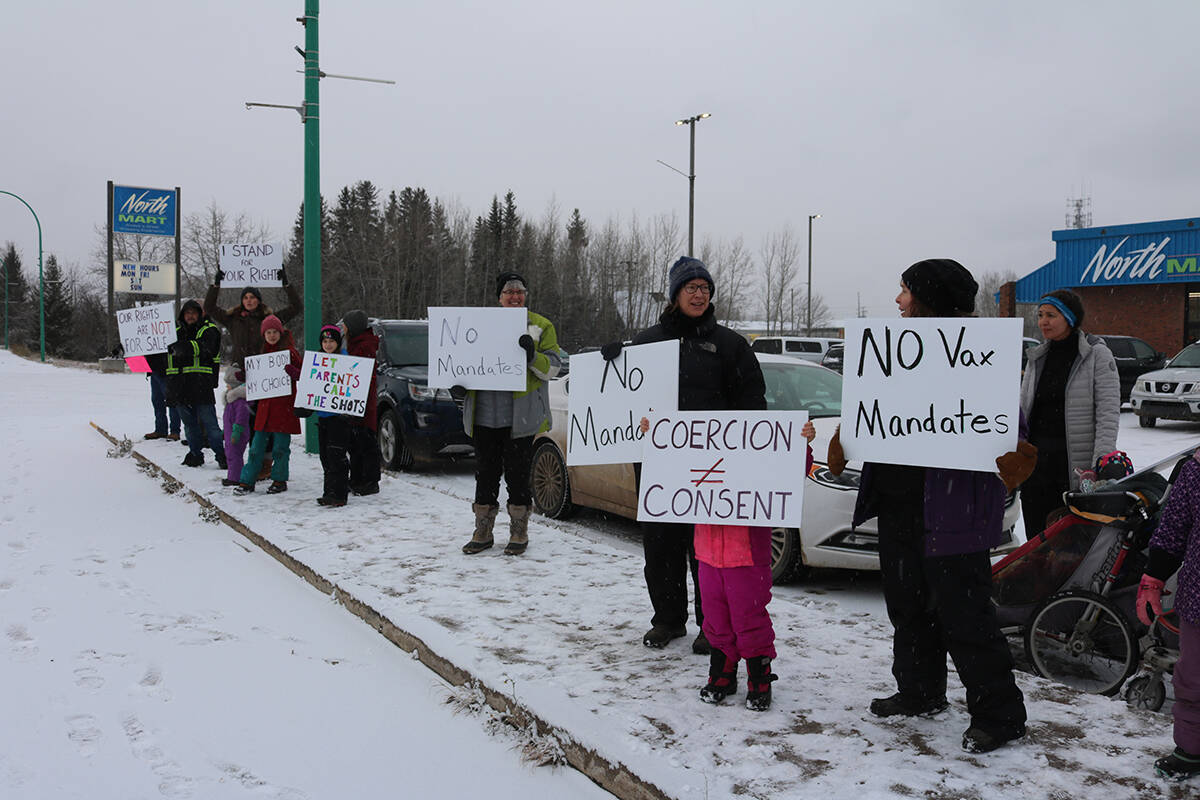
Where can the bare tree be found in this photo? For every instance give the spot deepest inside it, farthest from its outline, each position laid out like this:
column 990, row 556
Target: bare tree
column 780, row 254
column 987, row 306
column 732, row 268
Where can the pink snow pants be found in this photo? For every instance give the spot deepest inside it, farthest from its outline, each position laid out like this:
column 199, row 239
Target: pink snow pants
column 1186, row 680
column 735, row 600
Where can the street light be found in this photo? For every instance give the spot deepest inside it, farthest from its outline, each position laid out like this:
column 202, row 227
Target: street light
column 811, row 217
column 691, row 123
column 41, row 282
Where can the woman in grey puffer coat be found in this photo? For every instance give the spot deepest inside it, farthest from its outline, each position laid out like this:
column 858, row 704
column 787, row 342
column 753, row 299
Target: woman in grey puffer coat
column 1071, row 396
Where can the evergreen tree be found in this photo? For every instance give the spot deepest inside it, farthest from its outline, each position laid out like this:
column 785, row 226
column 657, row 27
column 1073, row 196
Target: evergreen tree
column 20, row 318
column 58, row 309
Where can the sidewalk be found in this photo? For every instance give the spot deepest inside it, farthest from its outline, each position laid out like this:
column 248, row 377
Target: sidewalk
column 556, row 633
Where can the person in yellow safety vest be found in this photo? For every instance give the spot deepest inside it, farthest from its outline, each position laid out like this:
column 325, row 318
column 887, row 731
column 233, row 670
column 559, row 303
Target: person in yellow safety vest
column 193, row 364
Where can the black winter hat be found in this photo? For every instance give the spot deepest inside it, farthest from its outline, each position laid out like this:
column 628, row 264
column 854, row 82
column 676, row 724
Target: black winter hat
column 504, row 278
column 943, row 285
column 250, row 290
column 688, row 269
column 192, row 304
column 332, row 332
column 355, row 321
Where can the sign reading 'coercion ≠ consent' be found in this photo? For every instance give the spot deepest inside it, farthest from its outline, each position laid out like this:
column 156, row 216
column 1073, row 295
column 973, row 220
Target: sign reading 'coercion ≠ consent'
column 931, row 392
column 477, row 348
column 334, row 382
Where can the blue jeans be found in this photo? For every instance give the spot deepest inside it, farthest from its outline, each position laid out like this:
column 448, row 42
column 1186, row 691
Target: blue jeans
column 200, row 425
column 158, row 399
column 280, row 445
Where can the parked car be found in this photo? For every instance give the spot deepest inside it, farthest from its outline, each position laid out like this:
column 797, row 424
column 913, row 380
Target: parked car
column 1170, row 393
column 1027, row 344
column 834, row 357
column 810, row 348
column 1134, row 358
column 415, row 422
column 825, row 540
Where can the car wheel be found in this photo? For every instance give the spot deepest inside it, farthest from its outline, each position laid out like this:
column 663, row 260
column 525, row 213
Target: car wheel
column 1147, row 421
column 787, row 562
column 393, row 452
column 549, row 482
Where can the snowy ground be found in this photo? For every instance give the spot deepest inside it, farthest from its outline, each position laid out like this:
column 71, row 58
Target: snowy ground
column 150, row 654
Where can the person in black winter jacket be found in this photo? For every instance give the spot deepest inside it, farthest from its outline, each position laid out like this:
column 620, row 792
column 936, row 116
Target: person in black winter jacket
column 717, row 372
column 193, row 363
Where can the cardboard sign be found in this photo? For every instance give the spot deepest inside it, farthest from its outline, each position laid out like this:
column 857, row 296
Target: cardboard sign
column 724, row 468
column 931, row 392
column 136, row 277
column 607, row 400
column 476, row 348
column 251, row 264
column 265, row 375
column 334, row 382
column 146, row 329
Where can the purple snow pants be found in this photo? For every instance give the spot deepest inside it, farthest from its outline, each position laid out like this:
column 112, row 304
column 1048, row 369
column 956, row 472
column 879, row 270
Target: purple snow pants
column 1186, row 680
column 735, row 600
column 234, row 453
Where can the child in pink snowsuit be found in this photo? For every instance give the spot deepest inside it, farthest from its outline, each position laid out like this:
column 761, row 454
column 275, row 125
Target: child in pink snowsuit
column 235, row 423
column 735, row 588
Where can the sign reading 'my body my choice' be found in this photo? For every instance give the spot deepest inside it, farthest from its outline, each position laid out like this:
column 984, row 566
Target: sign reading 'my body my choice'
column 146, row 329
column 266, row 376
column 138, row 210
column 724, row 468
column 251, row 263
column 608, row 399
column 334, row 382
column 931, row 392
column 477, row 348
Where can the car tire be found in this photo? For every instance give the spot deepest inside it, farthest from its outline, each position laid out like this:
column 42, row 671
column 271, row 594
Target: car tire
column 1147, row 421
column 787, row 561
column 549, row 482
column 393, row 452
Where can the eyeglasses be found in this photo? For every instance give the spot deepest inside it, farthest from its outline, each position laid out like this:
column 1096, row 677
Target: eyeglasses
column 513, row 292
column 692, row 288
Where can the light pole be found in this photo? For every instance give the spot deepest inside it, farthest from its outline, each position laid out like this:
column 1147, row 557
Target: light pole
column 41, row 282
column 691, row 123
column 811, row 217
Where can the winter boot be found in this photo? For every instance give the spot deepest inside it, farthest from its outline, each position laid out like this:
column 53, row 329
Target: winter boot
column 219, row 455
column 700, row 645
column 485, row 519
column 155, row 435
column 193, row 459
column 363, row 489
column 277, row 487
column 244, row 488
column 722, row 677
column 758, row 687
column 982, row 740
column 658, row 636
column 901, row 704
column 1179, row 766
column 331, row 501
column 518, row 529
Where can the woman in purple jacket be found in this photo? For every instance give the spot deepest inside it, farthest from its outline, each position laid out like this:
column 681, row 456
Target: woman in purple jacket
column 1175, row 545
column 936, row 527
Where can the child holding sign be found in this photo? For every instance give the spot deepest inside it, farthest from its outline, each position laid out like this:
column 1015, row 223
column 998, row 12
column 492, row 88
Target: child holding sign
column 275, row 418
column 236, row 424
column 333, row 438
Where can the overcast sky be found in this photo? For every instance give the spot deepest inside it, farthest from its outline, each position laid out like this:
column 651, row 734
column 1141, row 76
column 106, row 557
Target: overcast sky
column 918, row 130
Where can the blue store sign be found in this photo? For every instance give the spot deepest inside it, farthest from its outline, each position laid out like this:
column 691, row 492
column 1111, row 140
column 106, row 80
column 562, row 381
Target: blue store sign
column 138, row 210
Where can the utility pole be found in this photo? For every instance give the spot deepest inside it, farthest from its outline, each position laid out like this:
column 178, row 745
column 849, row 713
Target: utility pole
column 811, row 217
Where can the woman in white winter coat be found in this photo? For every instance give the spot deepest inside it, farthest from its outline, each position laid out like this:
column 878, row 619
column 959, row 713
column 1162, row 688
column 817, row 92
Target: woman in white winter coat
column 1071, row 396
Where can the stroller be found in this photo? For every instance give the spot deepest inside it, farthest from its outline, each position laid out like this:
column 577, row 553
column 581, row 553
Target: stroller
column 1070, row 591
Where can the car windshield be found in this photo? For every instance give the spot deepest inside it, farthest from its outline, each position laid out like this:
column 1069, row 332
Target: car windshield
column 1188, row 357
column 406, row 345
column 797, row 388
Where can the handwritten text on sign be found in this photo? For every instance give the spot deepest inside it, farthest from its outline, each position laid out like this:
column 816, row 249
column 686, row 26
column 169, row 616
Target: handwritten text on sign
column 608, row 399
column 931, row 392
column 251, row 264
column 334, row 382
column 146, row 329
column 266, row 377
column 476, row 348
column 724, row 467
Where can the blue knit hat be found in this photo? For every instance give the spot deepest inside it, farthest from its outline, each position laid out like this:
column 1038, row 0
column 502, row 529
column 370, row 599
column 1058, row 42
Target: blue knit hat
column 688, row 269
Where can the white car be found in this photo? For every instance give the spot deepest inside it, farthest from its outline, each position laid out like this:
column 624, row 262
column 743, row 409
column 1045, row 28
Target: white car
column 1172, row 392
column 825, row 540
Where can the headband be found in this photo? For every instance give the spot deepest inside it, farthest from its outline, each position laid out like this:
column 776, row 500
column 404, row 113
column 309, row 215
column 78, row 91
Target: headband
column 1066, row 312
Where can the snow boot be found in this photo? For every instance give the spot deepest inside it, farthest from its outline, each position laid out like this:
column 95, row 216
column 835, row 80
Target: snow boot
column 981, row 740
column 1179, row 766
column 700, row 645
column 219, row 455
column 193, row 460
column 758, row 686
column 155, row 435
column 277, row 487
column 722, row 677
column 905, row 705
column 329, row 501
column 244, row 488
column 227, row 482
column 364, row 489
column 658, row 636
column 518, row 529
column 485, row 519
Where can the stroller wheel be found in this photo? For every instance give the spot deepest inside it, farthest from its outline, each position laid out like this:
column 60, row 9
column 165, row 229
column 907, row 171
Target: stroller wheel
column 1081, row 639
column 1146, row 691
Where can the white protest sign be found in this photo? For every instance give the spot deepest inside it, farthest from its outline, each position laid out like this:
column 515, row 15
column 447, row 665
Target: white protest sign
column 724, row 468
column 266, row 377
column 137, row 277
column 476, row 348
column 607, row 400
column 931, row 392
column 334, row 382
column 251, row 263
column 146, row 329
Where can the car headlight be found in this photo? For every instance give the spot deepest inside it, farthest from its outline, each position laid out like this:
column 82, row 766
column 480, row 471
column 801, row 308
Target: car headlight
column 419, row 391
column 848, row 480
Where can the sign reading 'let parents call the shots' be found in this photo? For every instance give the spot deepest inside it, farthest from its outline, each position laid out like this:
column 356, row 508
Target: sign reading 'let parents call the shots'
column 931, row 392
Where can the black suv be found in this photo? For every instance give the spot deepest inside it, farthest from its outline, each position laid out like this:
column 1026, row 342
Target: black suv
column 1133, row 357
column 415, row 422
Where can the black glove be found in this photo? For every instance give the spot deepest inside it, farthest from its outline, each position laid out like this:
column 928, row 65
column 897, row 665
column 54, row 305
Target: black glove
column 178, row 348
column 611, row 350
column 458, row 392
column 302, row 412
column 526, row 342
column 283, row 276
column 220, row 276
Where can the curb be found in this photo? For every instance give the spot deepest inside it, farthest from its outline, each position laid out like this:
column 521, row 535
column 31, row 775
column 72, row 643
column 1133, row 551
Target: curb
column 613, row 777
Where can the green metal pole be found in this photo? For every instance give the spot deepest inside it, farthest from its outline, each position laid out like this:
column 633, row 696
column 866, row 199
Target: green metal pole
column 312, row 196
column 41, row 280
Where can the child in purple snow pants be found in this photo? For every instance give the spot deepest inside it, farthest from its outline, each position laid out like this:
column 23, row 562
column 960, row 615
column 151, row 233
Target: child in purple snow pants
column 236, row 424
column 1175, row 545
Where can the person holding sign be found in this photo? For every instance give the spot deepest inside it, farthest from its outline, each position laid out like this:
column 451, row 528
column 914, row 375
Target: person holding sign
column 717, row 372
column 236, row 420
column 333, row 438
column 1071, row 395
column 275, row 420
column 244, row 321
column 936, row 527
column 502, row 426
column 362, row 342
column 193, row 363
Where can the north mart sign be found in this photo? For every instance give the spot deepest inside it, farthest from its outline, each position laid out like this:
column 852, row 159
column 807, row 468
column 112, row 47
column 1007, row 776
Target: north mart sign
column 139, row 210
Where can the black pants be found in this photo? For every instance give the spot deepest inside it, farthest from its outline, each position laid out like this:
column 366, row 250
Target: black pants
column 333, row 443
column 1039, row 497
column 364, row 455
column 941, row 605
column 496, row 453
column 670, row 555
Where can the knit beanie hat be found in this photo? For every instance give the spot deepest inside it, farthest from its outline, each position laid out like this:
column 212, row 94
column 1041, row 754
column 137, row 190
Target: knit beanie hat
column 234, row 375
column 251, row 290
column 943, row 285
column 271, row 322
column 355, row 322
column 505, row 278
column 332, row 332
column 688, row 269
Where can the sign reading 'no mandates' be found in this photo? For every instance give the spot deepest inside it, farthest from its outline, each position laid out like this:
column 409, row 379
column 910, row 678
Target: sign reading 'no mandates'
column 931, row 392
column 477, row 348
